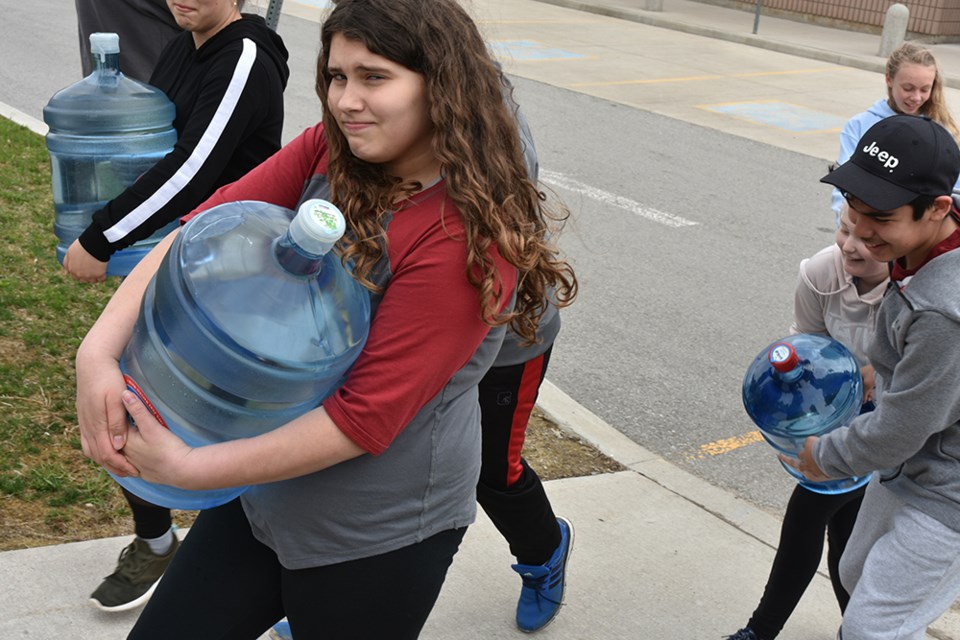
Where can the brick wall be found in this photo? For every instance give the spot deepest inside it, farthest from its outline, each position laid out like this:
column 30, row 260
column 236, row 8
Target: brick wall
column 930, row 20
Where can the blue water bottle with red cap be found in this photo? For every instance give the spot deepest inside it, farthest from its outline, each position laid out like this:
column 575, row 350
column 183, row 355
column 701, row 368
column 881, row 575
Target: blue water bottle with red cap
column 804, row 385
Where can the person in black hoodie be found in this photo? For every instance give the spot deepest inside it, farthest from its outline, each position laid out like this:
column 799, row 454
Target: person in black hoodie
column 226, row 74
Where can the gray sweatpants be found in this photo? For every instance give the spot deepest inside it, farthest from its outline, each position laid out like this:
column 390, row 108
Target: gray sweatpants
column 901, row 567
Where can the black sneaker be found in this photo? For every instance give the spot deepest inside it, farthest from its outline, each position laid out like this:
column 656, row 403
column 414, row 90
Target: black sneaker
column 744, row 634
column 137, row 574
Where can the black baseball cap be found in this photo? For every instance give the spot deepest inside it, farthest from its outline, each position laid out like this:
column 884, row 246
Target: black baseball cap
column 898, row 159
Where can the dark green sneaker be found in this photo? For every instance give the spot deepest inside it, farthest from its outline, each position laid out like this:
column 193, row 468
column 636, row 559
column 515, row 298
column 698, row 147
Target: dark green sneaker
column 137, row 574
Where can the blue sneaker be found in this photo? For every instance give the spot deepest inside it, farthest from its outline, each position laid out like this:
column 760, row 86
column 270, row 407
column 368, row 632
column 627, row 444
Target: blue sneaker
column 281, row 631
column 543, row 585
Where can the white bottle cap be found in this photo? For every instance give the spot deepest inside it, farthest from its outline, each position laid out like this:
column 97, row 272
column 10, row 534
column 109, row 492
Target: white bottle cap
column 317, row 226
column 104, row 43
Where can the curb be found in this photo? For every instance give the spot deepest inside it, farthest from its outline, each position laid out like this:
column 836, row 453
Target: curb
column 21, row 118
column 760, row 525
column 578, row 421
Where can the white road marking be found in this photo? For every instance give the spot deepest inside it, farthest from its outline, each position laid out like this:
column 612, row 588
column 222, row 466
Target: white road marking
column 631, row 206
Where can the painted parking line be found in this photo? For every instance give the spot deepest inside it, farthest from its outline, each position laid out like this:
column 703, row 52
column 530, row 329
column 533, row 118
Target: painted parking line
column 718, row 76
column 608, row 198
column 531, row 50
column 726, row 445
column 781, row 115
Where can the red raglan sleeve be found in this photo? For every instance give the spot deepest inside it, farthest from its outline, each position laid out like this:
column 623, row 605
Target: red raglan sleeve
column 426, row 328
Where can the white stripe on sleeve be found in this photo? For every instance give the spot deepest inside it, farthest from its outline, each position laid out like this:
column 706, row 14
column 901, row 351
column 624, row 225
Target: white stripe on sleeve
column 189, row 169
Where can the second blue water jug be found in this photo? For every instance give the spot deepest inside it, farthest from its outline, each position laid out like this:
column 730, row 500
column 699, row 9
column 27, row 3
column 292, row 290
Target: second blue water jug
column 250, row 322
column 804, row 385
column 105, row 132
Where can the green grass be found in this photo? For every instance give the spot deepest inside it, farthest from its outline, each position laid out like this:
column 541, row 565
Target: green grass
column 48, row 490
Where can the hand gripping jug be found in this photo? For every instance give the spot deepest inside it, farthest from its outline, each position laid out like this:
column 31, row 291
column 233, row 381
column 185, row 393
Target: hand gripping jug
column 250, row 322
column 804, row 385
column 105, row 132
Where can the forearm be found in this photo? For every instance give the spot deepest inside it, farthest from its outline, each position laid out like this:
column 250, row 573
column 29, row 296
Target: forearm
column 111, row 332
column 918, row 401
column 100, row 412
column 308, row 444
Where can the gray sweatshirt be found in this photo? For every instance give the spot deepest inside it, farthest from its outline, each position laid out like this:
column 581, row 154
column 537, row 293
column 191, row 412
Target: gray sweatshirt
column 913, row 436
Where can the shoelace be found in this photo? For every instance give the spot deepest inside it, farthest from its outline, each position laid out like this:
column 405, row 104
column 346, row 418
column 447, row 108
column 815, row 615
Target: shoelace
column 130, row 565
column 538, row 585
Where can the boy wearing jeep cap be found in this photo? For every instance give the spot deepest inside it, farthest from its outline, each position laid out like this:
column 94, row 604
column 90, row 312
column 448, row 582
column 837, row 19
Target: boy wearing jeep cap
column 902, row 564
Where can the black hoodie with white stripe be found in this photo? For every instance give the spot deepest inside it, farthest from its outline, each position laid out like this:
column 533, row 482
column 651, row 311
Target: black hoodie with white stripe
column 229, row 100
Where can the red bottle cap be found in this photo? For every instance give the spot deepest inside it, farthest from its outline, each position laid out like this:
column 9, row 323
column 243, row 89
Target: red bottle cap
column 783, row 357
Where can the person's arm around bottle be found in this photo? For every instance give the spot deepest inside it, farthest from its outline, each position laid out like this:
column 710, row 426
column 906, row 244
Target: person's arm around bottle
column 307, row 444
column 304, row 445
column 100, row 410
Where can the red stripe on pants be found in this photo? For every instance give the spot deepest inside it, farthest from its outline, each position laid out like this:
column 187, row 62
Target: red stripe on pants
column 526, row 399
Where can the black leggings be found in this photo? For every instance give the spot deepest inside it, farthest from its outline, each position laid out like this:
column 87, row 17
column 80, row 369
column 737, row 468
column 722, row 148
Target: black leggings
column 224, row 584
column 799, row 552
column 509, row 491
column 149, row 520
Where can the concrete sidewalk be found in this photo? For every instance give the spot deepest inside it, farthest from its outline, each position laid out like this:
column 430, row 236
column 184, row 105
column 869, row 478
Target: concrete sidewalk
column 659, row 553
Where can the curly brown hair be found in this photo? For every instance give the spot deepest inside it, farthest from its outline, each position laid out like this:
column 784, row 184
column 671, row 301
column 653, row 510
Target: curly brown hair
column 477, row 141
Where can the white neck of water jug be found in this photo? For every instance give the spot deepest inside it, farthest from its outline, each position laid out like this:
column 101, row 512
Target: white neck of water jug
column 317, row 226
column 105, row 52
column 313, row 232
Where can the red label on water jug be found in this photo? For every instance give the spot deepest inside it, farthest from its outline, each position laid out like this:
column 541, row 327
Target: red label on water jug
column 133, row 386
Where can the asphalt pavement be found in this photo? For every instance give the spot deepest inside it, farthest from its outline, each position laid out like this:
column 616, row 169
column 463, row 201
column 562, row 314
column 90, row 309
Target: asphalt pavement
column 659, row 553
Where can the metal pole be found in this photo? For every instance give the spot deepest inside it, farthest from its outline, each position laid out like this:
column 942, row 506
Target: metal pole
column 273, row 13
column 756, row 16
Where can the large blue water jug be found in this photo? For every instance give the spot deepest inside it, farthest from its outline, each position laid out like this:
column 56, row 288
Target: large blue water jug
column 250, row 322
column 105, row 132
column 804, row 385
